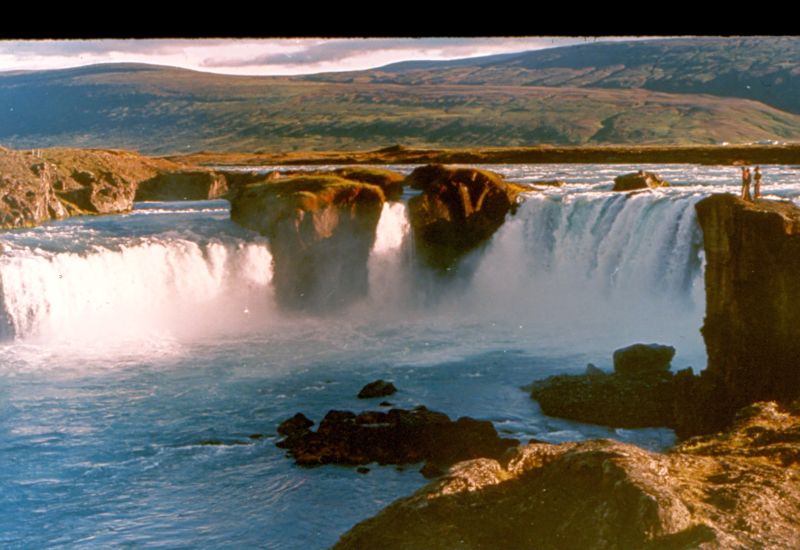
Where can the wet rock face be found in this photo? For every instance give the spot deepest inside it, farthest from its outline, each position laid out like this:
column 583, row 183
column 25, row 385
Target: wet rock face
column 638, row 180
column 602, row 495
column 458, row 210
column 395, row 437
column 752, row 323
column 321, row 231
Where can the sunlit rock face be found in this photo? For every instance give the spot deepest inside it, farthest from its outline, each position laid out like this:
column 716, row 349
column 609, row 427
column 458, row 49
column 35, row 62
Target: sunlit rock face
column 321, row 230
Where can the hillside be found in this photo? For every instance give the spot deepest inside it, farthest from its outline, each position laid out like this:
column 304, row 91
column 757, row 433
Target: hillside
column 766, row 69
column 567, row 96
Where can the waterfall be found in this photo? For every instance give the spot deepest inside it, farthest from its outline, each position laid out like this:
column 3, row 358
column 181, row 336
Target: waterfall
column 390, row 280
column 599, row 270
column 144, row 287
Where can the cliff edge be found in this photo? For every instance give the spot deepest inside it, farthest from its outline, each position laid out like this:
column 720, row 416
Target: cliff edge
column 752, row 280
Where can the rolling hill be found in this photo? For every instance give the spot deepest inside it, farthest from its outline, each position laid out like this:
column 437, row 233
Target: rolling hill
column 684, row 91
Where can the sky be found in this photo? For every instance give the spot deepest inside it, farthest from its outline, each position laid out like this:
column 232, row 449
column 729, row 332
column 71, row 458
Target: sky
column 263, row 56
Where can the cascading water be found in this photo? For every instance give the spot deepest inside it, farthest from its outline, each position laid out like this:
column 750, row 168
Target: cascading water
column 598, row 270
column 124, row 289
column 144, row 448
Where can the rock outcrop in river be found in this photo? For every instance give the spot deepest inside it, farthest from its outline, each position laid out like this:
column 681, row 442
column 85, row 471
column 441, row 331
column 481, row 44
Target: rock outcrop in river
column 321, row 231
column 458, row 210
column 183, row 185
column 639, row 393
column 739, row 489
column 395, row 437
column 638, row 180
column 101, row 181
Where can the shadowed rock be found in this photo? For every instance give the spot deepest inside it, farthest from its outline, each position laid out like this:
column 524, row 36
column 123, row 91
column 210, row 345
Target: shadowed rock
column 638, row 180
column 378, row 388
column 606, row 495
column 752, row 322
column 643, row 359
column 321, row 231
column 185, row 185
column 640, row 393
column 395, row 437
column 458, row 210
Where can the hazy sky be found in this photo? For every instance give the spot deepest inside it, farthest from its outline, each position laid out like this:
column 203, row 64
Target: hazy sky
column 261, row 57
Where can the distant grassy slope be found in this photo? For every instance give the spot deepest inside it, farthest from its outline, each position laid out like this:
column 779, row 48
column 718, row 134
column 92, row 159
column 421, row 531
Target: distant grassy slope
column 766, row 69
column 161, row 110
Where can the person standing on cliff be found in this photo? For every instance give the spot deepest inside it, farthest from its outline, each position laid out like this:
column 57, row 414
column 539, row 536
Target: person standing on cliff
column 757, row 183
column 746, row 184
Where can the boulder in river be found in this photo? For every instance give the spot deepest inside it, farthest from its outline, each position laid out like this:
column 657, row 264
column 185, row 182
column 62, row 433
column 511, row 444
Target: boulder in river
column 395, row 437
column 458, row 210
column 639, row 393
column 638, row 180
column 378, row 388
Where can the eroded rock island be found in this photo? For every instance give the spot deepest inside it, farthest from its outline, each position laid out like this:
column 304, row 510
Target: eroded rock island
column 321, row 230
column 458, row 210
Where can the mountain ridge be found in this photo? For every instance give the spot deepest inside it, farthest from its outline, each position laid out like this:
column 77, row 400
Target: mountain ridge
column 561, row 96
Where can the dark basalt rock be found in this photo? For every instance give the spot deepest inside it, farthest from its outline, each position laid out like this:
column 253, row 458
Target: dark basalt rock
column 640, row 393
column 395, row 437
column 378, row 388
column 392, row 183
column 731, row 490
column 638, row 180
column 549, row 183
column 643, row 359
column 458, row 210
column 298, row 424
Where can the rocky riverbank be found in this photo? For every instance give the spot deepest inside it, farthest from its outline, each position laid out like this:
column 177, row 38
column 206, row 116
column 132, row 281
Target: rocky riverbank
column 48, row 184
column 738, row 489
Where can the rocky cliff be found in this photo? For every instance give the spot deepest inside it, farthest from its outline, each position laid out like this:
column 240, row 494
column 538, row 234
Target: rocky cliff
column 46, row 184
column 752, row 323
column 735, row 490
column 27, row 196
column 321, row 231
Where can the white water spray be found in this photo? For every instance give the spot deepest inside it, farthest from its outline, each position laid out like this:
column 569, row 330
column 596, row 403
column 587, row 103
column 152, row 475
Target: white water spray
column 150, row 288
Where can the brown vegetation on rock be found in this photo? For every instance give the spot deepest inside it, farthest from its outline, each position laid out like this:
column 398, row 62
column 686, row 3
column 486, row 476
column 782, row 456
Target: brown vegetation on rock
column 458, row 210
column 321, row 231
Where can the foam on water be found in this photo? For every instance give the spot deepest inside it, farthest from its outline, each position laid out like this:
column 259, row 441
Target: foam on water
column 102, row 447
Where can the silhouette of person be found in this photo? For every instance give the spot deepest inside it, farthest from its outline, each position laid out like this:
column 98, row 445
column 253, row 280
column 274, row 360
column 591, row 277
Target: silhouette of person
column 757, row 183
column 746, row 184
